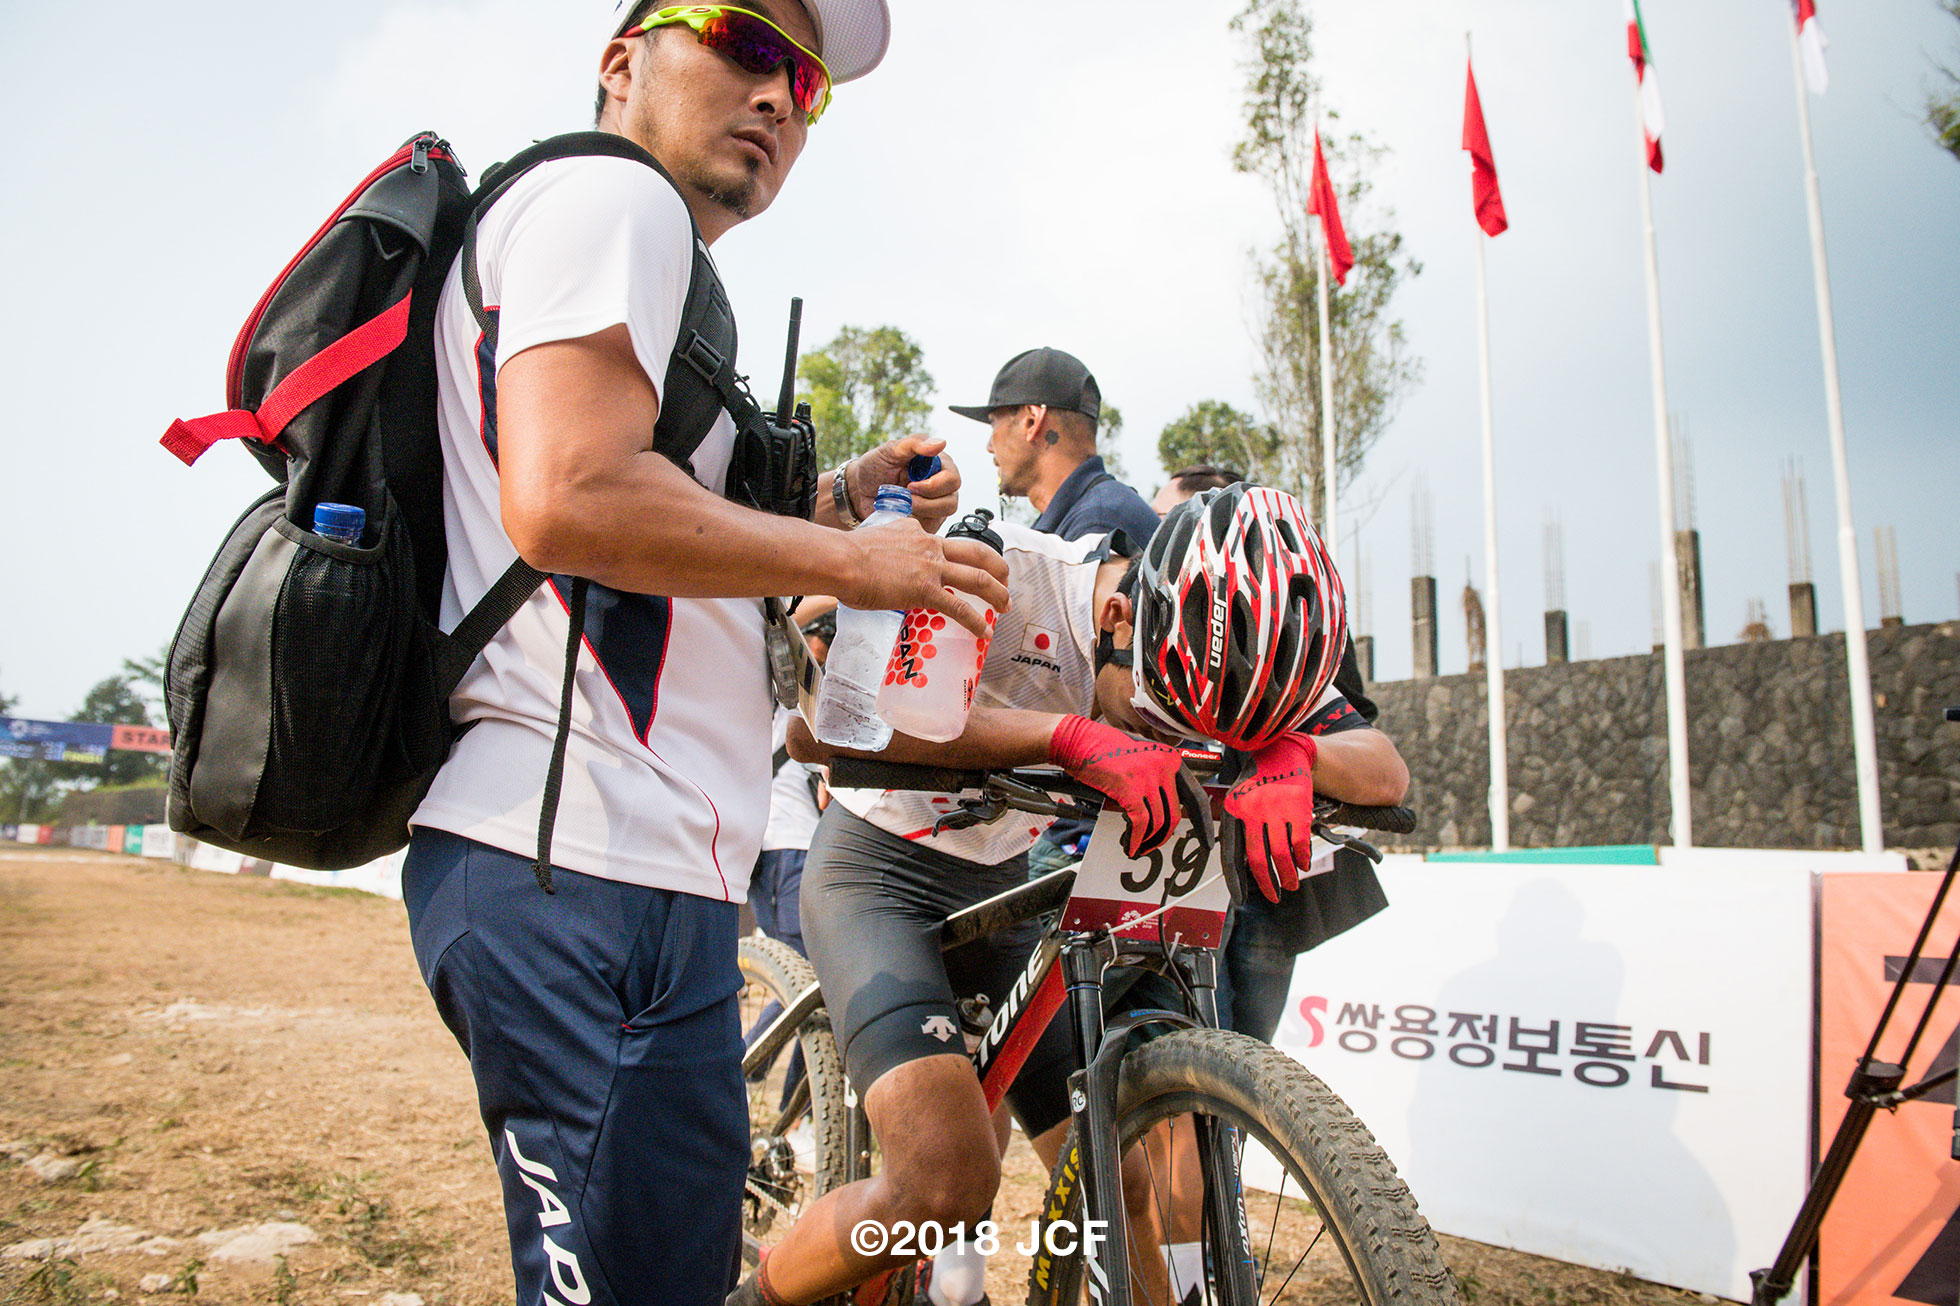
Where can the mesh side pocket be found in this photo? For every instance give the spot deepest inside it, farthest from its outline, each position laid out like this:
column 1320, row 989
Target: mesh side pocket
column 344, row 633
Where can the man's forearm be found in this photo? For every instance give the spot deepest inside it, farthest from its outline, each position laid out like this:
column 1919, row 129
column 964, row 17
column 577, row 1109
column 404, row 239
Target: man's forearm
column 994, row 737
column 691, row 543
column 1361, row 767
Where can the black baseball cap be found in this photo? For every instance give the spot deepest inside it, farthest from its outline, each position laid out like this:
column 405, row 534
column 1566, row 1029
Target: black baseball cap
column 1041, row 376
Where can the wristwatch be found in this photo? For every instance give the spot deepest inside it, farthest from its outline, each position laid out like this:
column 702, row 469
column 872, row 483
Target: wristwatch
column 840, row 495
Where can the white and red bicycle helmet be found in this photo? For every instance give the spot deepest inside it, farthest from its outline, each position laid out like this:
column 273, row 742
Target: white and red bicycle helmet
column 1241, row 620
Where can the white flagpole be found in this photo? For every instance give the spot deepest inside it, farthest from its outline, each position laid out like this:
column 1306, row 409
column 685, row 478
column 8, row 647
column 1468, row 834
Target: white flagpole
column 1500, row 786
column 1864, row 744
column 1681, row 817
column 1329, row 522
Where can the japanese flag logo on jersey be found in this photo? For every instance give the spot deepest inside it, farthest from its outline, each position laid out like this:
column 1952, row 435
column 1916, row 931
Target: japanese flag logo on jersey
column 1040, row 640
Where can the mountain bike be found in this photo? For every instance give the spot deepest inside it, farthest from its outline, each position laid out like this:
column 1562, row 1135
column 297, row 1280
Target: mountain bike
column 1336, row 1223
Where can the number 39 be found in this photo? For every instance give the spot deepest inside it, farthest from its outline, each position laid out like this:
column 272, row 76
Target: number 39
column 1187, row 858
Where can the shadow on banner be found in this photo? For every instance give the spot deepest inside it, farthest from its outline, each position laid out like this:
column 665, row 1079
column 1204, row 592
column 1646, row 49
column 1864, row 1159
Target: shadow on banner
column 1893, row 1234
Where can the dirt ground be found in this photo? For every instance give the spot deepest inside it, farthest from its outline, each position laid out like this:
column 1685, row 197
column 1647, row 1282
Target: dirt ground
column 199, row 1053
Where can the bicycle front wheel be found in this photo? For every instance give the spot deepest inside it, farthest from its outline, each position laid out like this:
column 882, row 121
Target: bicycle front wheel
column 797, row 1103
column 1341, row 1228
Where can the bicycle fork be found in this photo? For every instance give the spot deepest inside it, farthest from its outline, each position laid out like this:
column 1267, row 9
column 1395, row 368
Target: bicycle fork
column 1092, row 1099
column 1104, row 1234
column 1219, row 1154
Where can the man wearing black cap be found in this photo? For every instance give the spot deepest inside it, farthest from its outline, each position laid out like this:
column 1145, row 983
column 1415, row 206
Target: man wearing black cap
column 1043, row 409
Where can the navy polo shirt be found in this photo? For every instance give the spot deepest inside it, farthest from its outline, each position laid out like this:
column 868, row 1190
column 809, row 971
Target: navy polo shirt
column 1092, row 502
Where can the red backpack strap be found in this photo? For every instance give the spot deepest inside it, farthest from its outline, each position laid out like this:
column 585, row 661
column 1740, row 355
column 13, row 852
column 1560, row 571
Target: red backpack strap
column 318, row 376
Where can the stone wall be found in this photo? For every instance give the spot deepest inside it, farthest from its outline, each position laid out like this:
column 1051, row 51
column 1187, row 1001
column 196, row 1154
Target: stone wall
column 1769, row 747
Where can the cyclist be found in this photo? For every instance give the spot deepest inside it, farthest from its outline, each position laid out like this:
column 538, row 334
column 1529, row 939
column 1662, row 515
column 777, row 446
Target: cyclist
column 1229, row 627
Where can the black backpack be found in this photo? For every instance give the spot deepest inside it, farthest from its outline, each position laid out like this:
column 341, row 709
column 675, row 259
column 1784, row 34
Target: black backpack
column 308, row 683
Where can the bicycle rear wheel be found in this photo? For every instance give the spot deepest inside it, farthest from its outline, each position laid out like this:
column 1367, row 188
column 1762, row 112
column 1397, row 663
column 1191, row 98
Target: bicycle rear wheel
column 1341, row 1228
column 797, row 1148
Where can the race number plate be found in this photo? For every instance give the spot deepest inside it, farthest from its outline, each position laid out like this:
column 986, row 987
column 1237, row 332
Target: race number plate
column 1111, row 889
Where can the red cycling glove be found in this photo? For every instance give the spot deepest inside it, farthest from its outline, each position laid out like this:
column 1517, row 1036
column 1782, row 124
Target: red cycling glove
column 1138, row 776
column 1276, row 804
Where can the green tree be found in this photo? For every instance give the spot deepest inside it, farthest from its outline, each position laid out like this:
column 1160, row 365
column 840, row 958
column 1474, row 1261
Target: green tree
column 1943, row 112
column 1212, row 431
column 1109, row 441
column 867, row 386
column 146, row 676
column 1373, row 367
column 27, row 789
column 114, row 701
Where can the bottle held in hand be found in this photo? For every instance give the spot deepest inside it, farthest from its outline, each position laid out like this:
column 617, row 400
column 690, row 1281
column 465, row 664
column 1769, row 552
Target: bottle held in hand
column 936, row 662
column 847, row 715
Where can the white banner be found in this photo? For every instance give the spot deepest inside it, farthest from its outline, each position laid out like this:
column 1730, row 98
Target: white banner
column 159, row 841
column 1603, row 1064
column 210, row 857
column 28, row 834
column 383, row 877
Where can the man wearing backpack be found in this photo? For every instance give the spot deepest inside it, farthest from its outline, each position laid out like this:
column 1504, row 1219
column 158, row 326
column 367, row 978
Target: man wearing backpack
column 600, row 1017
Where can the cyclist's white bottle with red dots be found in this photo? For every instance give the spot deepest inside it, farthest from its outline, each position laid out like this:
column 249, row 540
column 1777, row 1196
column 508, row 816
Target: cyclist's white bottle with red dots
column 936, row 662
column 847, row 714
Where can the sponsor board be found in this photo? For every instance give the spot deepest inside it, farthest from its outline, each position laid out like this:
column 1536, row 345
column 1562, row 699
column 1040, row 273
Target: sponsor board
column 1893, row 1232
column 1604, row 1064
column 54, row 741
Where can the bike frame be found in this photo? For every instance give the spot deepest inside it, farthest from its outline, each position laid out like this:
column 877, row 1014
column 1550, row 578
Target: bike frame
column 1068, row 969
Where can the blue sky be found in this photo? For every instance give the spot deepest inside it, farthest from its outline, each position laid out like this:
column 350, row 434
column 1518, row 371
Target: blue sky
column 1022, row 174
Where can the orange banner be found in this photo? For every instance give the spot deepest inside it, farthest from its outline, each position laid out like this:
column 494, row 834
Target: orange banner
column 1893, row 1234
column 140, row 739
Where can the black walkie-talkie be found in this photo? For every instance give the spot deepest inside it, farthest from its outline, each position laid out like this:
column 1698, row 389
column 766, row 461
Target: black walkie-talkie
column 777, row 452
column 788, row 393
column 798, row 432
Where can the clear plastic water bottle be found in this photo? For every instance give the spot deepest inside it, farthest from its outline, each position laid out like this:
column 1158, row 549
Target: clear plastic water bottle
column 847, row 709
column 936, row 662
column 342, row 523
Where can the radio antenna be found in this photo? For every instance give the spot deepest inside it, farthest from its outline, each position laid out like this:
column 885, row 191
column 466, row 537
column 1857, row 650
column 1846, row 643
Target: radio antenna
column 788, row 395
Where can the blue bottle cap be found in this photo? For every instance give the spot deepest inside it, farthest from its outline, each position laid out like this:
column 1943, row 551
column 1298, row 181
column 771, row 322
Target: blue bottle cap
column 339, row 521
column 923, row 467
column 893, row 498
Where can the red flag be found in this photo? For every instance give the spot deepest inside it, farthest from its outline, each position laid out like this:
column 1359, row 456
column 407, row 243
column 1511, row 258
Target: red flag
column 1810, row 37
column 1483, row 176
column 1652, row 120
column 1321, row 201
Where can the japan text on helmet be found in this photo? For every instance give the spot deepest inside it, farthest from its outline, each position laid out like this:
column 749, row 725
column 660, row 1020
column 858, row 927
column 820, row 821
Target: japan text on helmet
column 1240, row 616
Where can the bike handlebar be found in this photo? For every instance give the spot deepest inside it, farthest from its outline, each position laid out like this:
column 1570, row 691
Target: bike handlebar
column 871, row 773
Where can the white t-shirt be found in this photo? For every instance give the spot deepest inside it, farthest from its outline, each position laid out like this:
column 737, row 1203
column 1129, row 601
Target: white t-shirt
column 667, row 772
column 1041, row 659
column 793, row 814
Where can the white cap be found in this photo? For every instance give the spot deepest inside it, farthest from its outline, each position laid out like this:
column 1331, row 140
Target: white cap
column 851, row 34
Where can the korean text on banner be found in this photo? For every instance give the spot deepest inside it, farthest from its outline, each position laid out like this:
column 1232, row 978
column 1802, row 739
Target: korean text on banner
column 1893, row 1232
column 1581, row 1062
